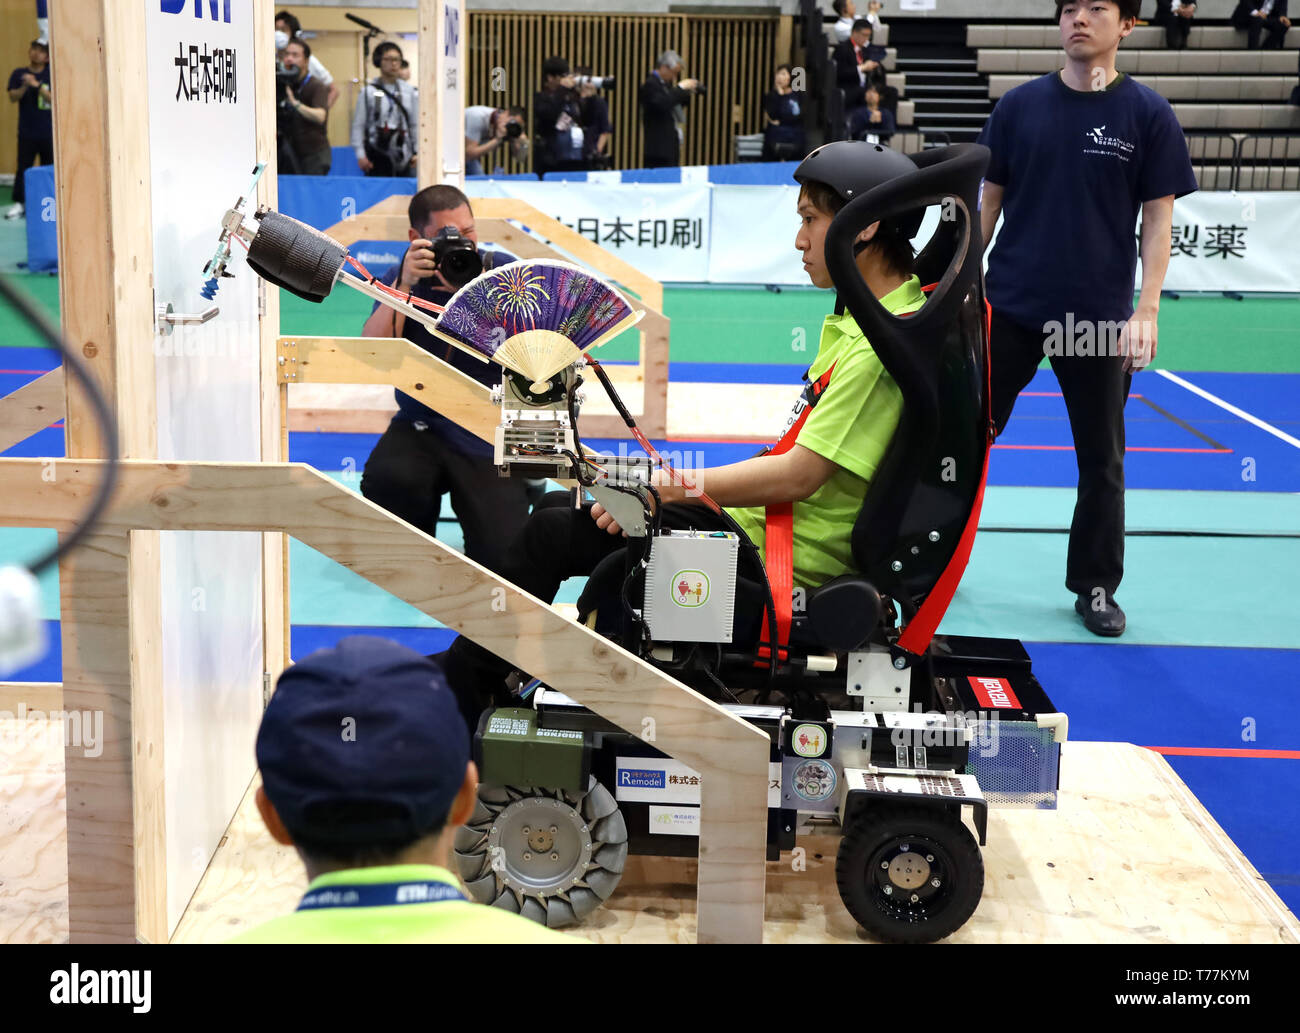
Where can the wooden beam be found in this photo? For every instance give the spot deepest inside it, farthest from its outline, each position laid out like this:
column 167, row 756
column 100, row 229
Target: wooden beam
column 370, row 225
column 31, row 408
column 275, row 547
column 730, row 754
column 396, row 361
column 443, row 46
column 101, row 181
column 101, row 136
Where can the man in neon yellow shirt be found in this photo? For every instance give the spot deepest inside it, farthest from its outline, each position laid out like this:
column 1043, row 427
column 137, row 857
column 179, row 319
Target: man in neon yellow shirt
column 365, row 770
column 824, row 475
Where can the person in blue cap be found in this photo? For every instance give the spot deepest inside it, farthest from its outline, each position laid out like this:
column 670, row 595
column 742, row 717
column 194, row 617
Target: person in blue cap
column 366, row 772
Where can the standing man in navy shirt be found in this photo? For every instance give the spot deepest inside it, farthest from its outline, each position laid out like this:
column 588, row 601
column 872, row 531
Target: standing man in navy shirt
column 1076, row 155
column 423, row 455
column 29, row 88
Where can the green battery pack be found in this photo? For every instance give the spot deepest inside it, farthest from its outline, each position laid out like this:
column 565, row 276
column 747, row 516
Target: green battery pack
column 510, row 749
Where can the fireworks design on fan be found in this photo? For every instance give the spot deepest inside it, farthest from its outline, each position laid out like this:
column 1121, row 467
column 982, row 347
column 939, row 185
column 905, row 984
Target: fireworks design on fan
column 518, row 294
column 535, row 317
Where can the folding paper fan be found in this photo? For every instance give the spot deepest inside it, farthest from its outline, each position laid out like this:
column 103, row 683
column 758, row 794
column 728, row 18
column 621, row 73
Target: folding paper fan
column 535, row 317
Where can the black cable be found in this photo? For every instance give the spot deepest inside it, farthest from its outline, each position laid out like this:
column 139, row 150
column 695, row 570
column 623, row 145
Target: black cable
column 107, row 425
column 773, row 632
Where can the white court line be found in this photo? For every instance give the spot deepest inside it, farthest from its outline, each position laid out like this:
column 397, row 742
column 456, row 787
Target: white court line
column 1241, row 413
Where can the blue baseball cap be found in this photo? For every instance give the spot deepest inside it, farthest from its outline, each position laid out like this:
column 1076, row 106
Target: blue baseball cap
column 362, row 745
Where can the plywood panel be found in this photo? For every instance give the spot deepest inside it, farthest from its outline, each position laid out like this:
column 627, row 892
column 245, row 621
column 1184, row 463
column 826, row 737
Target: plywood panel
column 211, row 406
column 273, row 433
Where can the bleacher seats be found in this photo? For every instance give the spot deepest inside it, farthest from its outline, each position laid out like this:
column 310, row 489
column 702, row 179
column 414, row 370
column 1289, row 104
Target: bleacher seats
column 1232, row 103
column 1148, row 62
column 1028, row 36
column 1238, row 116
column 1259, row 88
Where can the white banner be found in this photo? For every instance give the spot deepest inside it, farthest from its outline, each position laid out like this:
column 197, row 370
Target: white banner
column 753, row 235
column 722, row 233
column 661, row 228
column 1235, row 242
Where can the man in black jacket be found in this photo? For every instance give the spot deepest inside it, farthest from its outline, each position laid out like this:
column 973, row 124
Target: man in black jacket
column 1255, row 16
column 663, row 102
column 858, row 65
column 557, row 111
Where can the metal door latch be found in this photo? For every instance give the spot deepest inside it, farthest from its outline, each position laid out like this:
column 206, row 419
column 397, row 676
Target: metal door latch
column 165, row 318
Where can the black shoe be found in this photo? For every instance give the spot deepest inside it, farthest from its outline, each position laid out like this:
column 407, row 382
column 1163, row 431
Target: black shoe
column 1108, row 620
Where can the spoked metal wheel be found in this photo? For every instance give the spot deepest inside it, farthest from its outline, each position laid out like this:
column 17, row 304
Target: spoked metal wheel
column 547, row 854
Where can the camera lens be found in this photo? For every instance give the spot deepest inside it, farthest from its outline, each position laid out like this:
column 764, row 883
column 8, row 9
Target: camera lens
column 455, row 257
column 514, row 130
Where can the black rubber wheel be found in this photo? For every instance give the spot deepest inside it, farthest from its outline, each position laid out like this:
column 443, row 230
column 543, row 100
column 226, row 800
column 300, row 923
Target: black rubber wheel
column 888, row 863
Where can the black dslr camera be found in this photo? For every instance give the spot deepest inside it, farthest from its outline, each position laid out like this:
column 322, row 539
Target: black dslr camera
column 514, row 130
column 456, row 257
column 284, row 78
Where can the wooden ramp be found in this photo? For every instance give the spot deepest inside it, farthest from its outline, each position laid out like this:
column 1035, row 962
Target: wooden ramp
column 1130, row 856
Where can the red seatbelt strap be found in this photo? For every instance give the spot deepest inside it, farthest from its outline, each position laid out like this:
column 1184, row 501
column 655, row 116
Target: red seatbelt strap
column 921, row 628
column 778, row 545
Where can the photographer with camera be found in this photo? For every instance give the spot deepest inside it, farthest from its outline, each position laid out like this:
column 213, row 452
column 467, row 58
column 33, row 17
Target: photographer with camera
column 597, row 129
column 558, row 120
column 663, row 107
column 487, row 129
column 423, row 455
column 288, row 27
column 300, row 113
column 386, row 122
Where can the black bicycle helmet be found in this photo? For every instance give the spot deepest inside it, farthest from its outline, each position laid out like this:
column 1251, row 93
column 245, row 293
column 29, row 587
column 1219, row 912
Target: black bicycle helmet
column 852, row 167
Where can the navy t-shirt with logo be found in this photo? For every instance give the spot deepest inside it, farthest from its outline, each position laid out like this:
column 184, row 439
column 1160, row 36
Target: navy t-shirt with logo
column 1076, row 168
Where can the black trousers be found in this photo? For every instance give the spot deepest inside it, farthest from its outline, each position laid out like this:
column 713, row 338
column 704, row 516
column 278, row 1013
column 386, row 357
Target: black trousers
column 1254, row 26
column 1096, row 390
column 29, row 149
column 1177, row 29
column 409, row 472
column 556, row 543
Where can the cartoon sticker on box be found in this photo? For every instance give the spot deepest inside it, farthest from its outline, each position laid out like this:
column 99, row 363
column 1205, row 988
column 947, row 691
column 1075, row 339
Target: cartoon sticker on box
column 690, row 588
column 809, row 740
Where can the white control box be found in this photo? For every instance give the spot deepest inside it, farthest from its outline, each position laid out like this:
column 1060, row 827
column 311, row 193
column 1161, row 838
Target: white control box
column 690, row 586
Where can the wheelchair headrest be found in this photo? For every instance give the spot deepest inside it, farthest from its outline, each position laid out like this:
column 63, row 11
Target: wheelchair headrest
column 926, row 485
column 945, row 176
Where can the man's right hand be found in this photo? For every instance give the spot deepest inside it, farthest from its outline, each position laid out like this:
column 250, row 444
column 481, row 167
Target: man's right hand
column 30, row 80
column 365, row 163
column 689, row 84
column 419, row 263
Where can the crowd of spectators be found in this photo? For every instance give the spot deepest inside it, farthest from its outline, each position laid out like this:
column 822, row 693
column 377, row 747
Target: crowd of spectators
column 571, row 125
